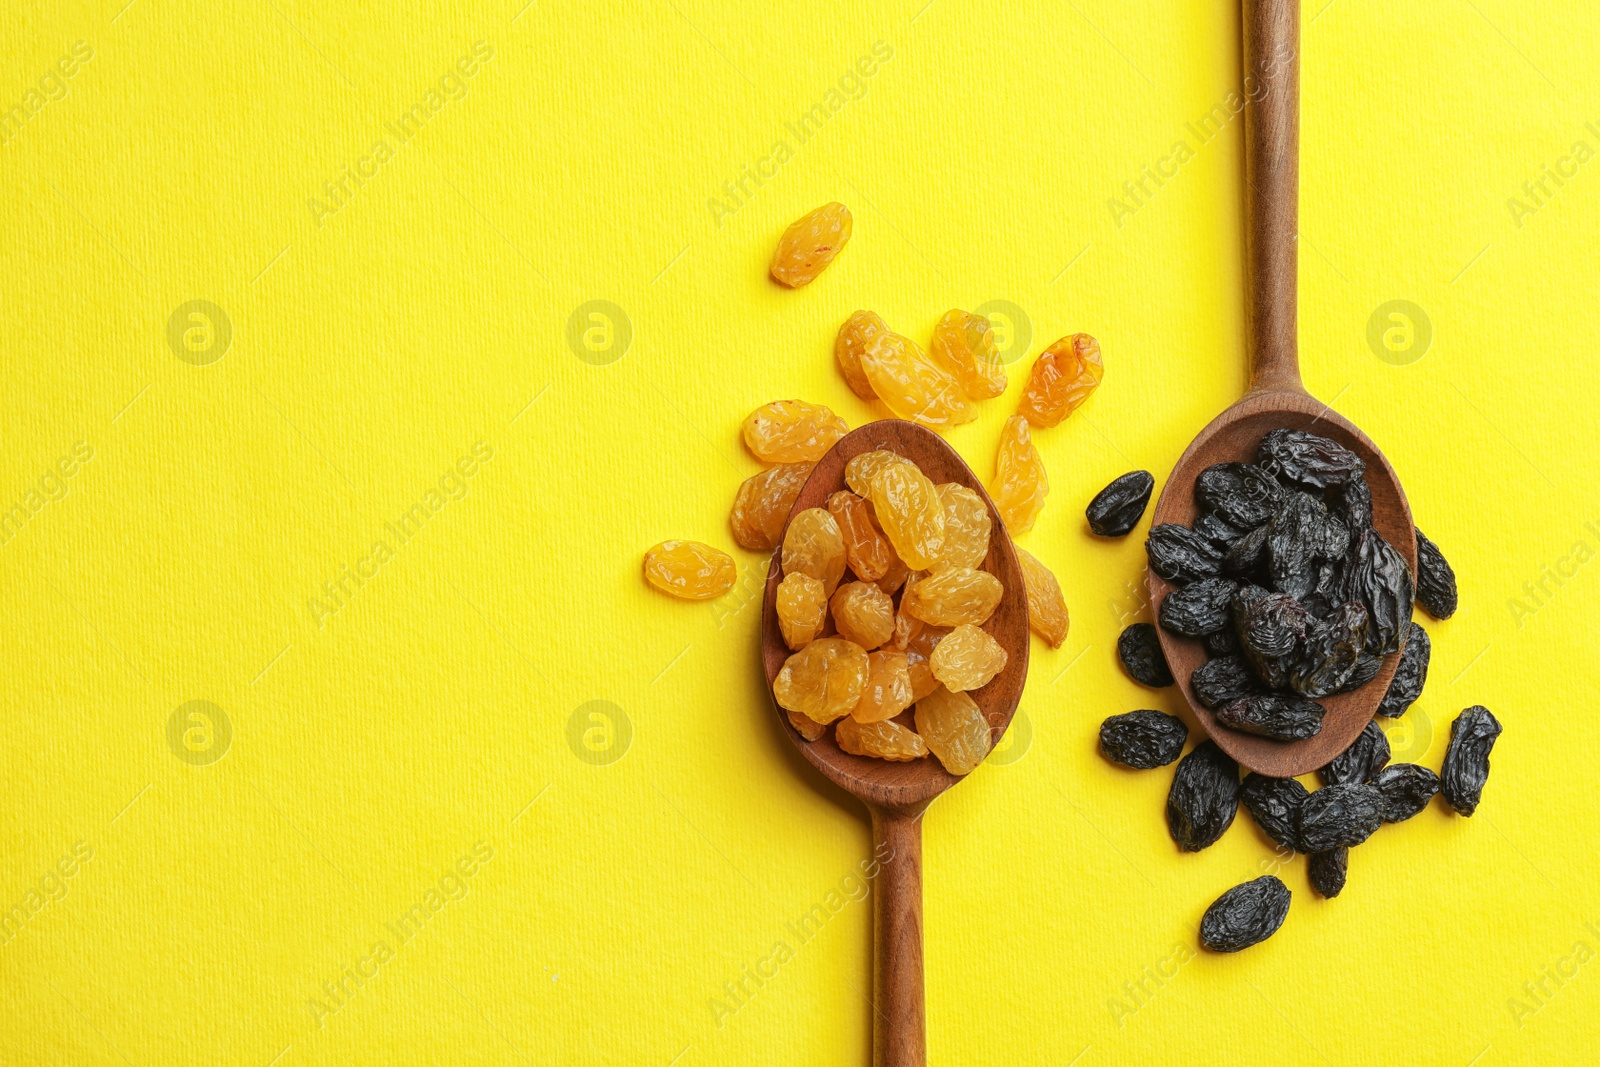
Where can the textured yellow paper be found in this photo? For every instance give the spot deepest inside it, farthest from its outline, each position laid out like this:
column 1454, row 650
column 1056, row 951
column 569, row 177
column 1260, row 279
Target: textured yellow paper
column 462, row 789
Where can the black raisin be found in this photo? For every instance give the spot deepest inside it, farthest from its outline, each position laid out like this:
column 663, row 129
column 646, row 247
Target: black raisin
column 1280, row 716
column 1178, row 554
column 1274, row 803
column 1143, row 739
column 1380, row 580
column 1204, row 797
column 1245, row 915
column 1366, row 669
column 1404, row 789
column 1339, row 816
column 1199, row 608
column 1215, row 530
column 1436, row 580
column 1362, row 761
column 1326, row 871
column 1247, row 557
column 1140, row 651
column 1270, row 627
column 1299, row 536
column 1223, row 680
column 1241, row 494
column 1353, row 502
column 1330, row 590
column 1118, row 507
column 1466, row 761
column 1306, row 459
column 1410, row 675
column 1330, row 651
column 1222, row 642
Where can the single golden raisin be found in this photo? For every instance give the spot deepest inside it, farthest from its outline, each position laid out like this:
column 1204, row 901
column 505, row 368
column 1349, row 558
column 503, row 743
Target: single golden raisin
column 912, row 386
column 859, row 472
column 885, row 740
column 806, row 726
column 919, row 652
column 968, row 658
column 792, row 431
column 802, row 605
column 954, row 728
column 963, row 344
column 952, row 596
column 822, row 681
column 1020, row 483
column 863, row 613
column 814, row 546
column 888, row 689
column 865, row 549
column 1047, row 609
column 908, row 510
column 966, row 526
column 810, row 243
column 1061, row 380
column 858, row 329
column 763, row 504
column 689, row 569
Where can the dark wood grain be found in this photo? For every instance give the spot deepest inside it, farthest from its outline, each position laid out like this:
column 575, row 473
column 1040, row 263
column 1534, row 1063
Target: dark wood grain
column 896, row 794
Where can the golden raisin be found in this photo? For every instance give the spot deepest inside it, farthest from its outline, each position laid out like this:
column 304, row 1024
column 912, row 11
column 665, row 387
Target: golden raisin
column 689, row 569
column 966, row 526
column 763, row 504
column 919, row 652
column 802, row 605
column 857, row 331
column 954, row 728
column 908, row 509
column 792, row 431
column 905, row 628
column 806, row 726
column 865, row 549
column 1047, row 609
column 863, row 613
column 1061, row 380
column 1020, row 483
column 822, row 681
column 952, row 596
column 885, row 740
column 896, row 575
column 963, row 344
column 967, row 659
column 810, row 243
column 814, row 546
column 912, row 386
column 859, row 472
column 888, row 689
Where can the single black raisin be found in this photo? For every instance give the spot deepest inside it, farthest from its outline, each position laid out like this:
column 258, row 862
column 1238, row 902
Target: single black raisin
column 1223, row 680
column 1247, row 557
column 1353, row 502
column 1139, row 649
column 1309, row 460
column 1178, row 554
column 1270, row 627
column 1241, row 494
column 1405, row 789
column 1199, row 608
column 1118, row 507
column 1366, row 669
column 1280, row 716
column 1466, row 761
column 1245, row 915
column 1436, row 580
column 1274, row 803
column 1143, row 739
column 1331, row 649
column 1299, row 537
column 1409, row 676
column 1380, row 580
column 1362, row 761
column 1223, row 642
column 1326, row 871
column 1215, row 530
column 1204, row 797
column 1339, row 816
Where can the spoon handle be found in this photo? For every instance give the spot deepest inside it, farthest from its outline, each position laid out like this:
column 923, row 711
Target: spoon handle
column 899, row 1035
column 1272, row 179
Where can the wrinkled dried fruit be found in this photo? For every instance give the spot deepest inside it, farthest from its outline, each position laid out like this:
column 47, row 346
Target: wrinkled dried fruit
column 1331, row 651
column 1223, row 680
column 823, row 680
column 1139, row 649
column 1215, row 530
column 967, row 659
column 689, row 569
column 911, row 385
column 1222, row 642
column 1309, row 460
column 896, row 575
column 1406, row 685
column 1241, row 494
column 1245, row 915
column 863, row 613
column 1436, row 580
column 888, row 689
column 860, row 470
column 1247, row 557
column 1199, row 608
column 1339, row 816
column 806, row 726
column 919, row 652
column 909, row 512
column 1178, row 554
column 1353, row 502
column 1300, row 535
column 1061, row 380
column 966, row 526
column 763, row 504
column 866, row 550
column 905, row 630
column 810, row 243
column 954, row 728
column 1117, row 509
column 885, row 740
column 1274, row 803
column 963, row 345
column 792, row 431
column 1362, row 761
column 1143, row 739
column 1204, row 797
column 1403, row 790
column 1366, row 669
column 1020, row 483
column 952, row 596
column 1326, row 871
column 802, row 605
column 1270, row 627
column 1280, row 716
column 854, row 335
column 813, row 545
column 1466, row 761
column 1380, row 580
column 1047, row 609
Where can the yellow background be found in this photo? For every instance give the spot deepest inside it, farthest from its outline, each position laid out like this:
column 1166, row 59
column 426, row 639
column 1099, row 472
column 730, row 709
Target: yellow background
column 373, row 346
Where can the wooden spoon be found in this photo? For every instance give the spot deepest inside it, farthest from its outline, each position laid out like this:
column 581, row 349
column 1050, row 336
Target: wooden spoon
column 896, row 794
column 1277, row 397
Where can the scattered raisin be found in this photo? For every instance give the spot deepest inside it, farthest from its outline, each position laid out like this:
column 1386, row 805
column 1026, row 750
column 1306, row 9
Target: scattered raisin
column 1436, row 580
column 1362, row 761
column 963, row 344
column 1061, row 380
column 854, row 335
column 1117, row 509
column 1245, row 915
column 1410, row 675
column 810, row 243
column 1143, row 739
column 689, row 569
column 1204, row 797
column 1020, row 483
column 1047, row 609
column 911, row 385
column 1404, row 789
column 1466, row 761
column 1326, row 871
column 1274, row 803
column 1139, row 649
column 1339, row 816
